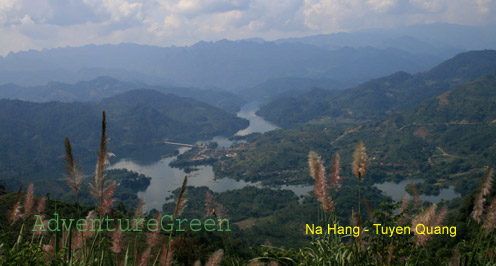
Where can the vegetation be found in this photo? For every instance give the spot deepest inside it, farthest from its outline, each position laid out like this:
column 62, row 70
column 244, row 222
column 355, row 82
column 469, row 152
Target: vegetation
column 465, row 236
column 380, row 97
column 139, row 120
column 443, row 140
column 103, row 87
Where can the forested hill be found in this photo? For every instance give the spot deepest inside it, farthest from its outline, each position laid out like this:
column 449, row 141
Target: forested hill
column 32, row 139
column 212, row 121
column 103, row 87
column 445, row 140
column 380, row 97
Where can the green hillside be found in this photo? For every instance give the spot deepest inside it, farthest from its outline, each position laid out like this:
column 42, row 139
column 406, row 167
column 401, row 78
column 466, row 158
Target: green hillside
column 445, row 140
column 380, row 97
column 33, row 133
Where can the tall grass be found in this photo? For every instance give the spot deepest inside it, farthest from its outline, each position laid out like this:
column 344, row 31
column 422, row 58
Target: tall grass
column 476, row 248
column 83, row 246
column 22, row 246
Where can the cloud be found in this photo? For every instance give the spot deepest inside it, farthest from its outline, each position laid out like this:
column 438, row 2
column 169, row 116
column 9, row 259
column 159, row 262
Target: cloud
column 52, row 23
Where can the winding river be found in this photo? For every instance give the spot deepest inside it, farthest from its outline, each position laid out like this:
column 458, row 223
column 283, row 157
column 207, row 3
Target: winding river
column 165, row 179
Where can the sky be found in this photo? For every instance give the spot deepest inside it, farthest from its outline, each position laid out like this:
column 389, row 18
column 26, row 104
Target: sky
column 39, row 24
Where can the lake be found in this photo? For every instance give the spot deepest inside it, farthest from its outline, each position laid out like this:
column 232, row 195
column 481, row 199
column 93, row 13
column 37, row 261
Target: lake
column 397, row 190
column 165, row 179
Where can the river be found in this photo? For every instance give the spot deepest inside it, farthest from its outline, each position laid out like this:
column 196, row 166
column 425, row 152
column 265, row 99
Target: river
column 165, row 179
column 397, row 190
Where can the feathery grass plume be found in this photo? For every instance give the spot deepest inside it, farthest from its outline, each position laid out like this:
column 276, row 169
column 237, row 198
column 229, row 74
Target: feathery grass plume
column 98, row 185
column 314, row 164
column 107, row 201
column 166, row 259
column 317, row 171
column 405, row 218
column 139, row 213
column 405, row 200
column 273, row 263
column 215, row 259
column 416, row 198
column 87, row 233
column 370, row 212
column 15, row 213
column 77, row 240
column 438, row 221
column 481, row 197
column 214, row 208
column 49, row 249
column 117, row 241
column 170, row 257
column 180, row 205
column 353, row 217
column 427, row 218
column 40, row 207
column 181, row 199
column 38, row 230
column 490, row 221
column 74, row 176
column 197, row 263
column 28, row 201
column 336, row 171
column 360, row 161
column 152, row 238
column 144, row 258
column 210, row 204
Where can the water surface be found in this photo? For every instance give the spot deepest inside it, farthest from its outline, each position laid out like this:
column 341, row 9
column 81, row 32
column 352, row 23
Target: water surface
column 397, row 190
column 165, row 179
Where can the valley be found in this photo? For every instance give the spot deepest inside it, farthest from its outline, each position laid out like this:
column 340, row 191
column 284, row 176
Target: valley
column 272, row 135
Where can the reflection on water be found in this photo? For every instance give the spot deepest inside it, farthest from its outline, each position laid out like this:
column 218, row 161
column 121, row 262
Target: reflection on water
column 299, row 190
column 257, row 124
column 165, row 179
column 397, row 190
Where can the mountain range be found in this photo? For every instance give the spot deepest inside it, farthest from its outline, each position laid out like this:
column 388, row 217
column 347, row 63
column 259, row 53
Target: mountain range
column 380, row 97
column 346, row 58
column 103, row 87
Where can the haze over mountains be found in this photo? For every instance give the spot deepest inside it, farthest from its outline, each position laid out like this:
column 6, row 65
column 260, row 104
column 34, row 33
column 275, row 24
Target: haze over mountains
column 191, row 93
column 380, row 97
column 434, row 126
column 345, row 58
column 103, row 87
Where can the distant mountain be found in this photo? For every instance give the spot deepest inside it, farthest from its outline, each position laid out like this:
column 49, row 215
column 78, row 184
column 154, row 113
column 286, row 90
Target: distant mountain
column 224, row 64
column 281, row 87
column 380, row 97
column 103, row 87
column 32, row 139
column 437, row 39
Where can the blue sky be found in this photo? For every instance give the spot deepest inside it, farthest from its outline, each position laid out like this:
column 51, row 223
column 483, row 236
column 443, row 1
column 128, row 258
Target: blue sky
column 38, row 24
